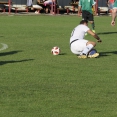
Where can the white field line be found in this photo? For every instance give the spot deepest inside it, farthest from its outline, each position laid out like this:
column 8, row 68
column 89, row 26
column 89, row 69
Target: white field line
column 4, row 46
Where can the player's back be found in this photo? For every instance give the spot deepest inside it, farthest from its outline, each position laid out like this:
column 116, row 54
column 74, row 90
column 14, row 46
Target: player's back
column 79, row 32
column 86, row 4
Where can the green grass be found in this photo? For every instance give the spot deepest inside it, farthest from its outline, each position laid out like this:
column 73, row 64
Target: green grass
column 34, row 83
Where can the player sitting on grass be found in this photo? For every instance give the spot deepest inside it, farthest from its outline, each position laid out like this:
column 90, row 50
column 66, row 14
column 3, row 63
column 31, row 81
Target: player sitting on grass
column 80, row 46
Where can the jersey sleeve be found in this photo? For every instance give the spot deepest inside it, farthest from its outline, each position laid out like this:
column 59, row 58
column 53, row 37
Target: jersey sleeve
column 93, row 2
column 80, row 3
column 86, row 28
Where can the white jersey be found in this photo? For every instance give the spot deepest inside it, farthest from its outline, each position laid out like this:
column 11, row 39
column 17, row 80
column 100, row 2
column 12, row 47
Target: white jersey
column 79, row 32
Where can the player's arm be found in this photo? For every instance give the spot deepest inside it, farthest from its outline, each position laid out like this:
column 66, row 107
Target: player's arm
column 94, row 9
column 79, row 10
column 94, row 35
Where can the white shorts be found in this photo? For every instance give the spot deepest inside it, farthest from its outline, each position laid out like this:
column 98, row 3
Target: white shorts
column 78, row 46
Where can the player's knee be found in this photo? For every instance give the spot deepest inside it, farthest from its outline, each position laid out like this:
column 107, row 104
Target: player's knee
column 93, row 43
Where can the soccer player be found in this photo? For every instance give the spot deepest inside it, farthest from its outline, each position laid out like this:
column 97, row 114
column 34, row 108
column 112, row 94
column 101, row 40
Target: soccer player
column 80, row 46
column 114, row 11
column 87, row 13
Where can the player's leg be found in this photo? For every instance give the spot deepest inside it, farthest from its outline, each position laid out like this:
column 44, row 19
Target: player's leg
column 85, row 47
column 84, row 16
column 93, row 26
column 114, row 11
column 78, row 46
column 91, row 20
column 89, row 46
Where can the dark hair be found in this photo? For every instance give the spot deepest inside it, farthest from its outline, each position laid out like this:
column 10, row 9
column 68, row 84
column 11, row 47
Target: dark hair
column 83, row 21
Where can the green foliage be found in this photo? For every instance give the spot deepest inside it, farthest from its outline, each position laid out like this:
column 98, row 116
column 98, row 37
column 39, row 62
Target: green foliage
column 34, row 83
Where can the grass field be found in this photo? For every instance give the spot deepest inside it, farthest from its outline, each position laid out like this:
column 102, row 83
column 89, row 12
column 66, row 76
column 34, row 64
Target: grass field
column 34, row 83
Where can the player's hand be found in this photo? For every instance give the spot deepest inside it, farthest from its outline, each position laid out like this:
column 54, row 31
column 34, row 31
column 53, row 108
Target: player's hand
column 99, row 40
column 95, row 13
column 113, row 23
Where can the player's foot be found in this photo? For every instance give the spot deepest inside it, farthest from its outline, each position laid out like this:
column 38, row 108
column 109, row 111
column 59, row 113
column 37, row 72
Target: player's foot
column 82, row 56
column 94, row 55
column 93, row 31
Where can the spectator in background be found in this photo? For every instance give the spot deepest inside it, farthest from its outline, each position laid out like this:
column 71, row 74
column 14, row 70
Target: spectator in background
column 36, row 6
column 75, row 1
column 48, row 2
column 29, row 3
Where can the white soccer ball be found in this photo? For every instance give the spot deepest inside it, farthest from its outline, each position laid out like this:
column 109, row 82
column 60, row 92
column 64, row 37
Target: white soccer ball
column 55, row 50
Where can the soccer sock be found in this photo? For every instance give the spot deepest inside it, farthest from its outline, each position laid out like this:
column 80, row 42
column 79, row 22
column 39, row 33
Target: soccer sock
column 87, row 49
column 93, row 26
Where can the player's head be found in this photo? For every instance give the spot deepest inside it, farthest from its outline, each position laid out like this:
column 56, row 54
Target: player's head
column 84, row 22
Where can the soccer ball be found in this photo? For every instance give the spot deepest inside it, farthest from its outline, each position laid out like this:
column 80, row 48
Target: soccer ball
column 93, row 51
column 55, row 50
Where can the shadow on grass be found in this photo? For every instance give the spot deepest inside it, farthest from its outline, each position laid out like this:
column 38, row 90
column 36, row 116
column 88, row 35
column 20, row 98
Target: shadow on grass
column 13, row 61
column 62, row 54
column 9, row 53
column 106, row 53
column 106, row 33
